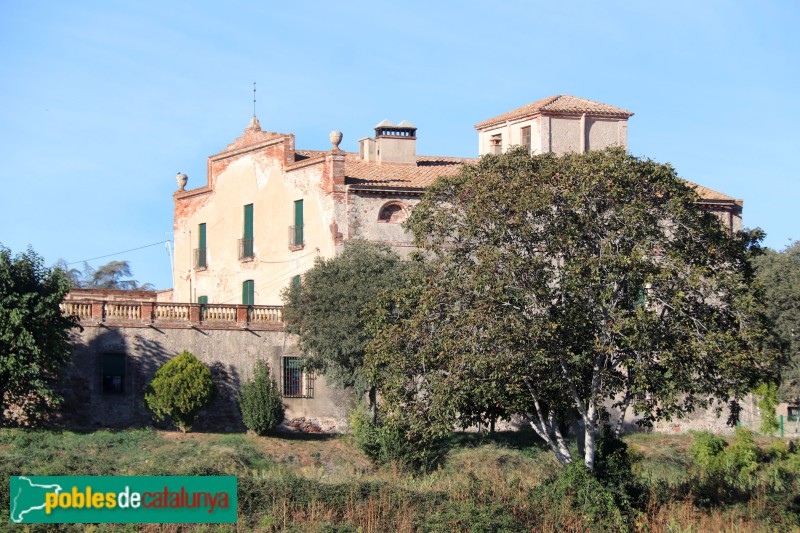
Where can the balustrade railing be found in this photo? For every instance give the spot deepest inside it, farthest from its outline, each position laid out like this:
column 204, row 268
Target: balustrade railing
column 267, row 314
column 171, row 312
column 83, row 310
column 217, row 313
column 150, row 313
column 123, row 311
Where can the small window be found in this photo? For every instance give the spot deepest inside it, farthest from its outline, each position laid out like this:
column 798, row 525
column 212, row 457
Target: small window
column 793, row 414
column 496, row 143
column 296, row 281
column 202, row 299
column 393, row 213
column 525, row 135
column 113, row 373
column 297, row 382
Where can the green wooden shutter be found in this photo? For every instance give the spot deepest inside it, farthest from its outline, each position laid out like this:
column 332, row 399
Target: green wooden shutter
column 298, row 223
column 296, row 281
column 202, row 299
column 247, row 241
column 248, row 292
column 201, row 245
column 248, row 221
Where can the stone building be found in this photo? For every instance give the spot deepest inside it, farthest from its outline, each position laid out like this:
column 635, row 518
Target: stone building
column 265, row 212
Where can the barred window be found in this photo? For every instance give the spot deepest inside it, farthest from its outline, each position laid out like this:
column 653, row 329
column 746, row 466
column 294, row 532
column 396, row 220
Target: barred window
column 297, row 381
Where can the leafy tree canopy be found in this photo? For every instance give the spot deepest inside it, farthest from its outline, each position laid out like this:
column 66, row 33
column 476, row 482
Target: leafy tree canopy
column 112, row 275
column 779, row 273
column 34, row 336
column 560, row 285
column 325, row 310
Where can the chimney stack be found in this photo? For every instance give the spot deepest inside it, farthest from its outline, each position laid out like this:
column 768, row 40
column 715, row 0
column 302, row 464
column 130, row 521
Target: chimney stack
column 393, row 143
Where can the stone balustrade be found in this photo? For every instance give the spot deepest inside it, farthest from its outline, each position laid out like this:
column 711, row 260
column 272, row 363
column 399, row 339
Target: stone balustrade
column 174, row 315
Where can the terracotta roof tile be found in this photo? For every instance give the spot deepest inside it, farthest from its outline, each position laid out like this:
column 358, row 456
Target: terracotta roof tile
column 371, row 175
column 559, row 104
column 709, row 194
column 403, row 176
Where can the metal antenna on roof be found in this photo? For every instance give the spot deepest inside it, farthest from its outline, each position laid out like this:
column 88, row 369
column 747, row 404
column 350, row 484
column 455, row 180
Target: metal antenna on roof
column 254, row 98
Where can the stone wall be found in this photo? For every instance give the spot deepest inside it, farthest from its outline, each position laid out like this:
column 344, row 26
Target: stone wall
column 229, row 353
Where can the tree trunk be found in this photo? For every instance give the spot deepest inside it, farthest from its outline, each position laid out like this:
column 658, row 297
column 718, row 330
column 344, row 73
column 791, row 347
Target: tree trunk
column 621, row 422
column 373, row 404
column 589, row 424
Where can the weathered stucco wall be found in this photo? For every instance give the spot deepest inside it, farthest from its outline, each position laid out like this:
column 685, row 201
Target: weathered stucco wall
column 229, row 353
column 364, row 210
column 259, row 177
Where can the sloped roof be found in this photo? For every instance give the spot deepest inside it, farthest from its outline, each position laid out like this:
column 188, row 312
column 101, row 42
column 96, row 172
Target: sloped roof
column 560, row 104
column 373, row 175
column 709, row 194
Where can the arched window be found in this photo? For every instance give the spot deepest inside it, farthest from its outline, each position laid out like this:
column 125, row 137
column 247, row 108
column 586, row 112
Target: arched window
column 393, row 212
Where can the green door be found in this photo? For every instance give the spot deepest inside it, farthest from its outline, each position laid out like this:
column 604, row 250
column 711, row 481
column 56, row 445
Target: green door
column 248, row 292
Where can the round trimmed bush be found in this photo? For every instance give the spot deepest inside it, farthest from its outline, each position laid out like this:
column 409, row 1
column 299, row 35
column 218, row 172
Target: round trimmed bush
column 179, row 390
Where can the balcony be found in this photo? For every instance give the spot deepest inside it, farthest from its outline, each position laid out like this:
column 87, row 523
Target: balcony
column 296, row 238
column 246, row 249
column 200, row 258
column 138, row 313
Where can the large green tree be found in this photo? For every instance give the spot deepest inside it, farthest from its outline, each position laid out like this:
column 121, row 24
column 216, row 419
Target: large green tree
column 561, row 285
column 325, row 310
column 779, row 273
column 34, row 336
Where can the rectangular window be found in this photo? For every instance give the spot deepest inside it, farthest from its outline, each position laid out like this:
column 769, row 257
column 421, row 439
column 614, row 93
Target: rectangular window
column 525, row 134
column 202, row 299
column 297, row 382
column 246, row 243
column 496, row 144
column 296, row 231
column 793, row 414
column 296, row 281
column 200, row 252
column 113, row 373
column 248, row 292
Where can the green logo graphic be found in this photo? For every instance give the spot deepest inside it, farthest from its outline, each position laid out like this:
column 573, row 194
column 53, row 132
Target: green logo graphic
column 125, row 499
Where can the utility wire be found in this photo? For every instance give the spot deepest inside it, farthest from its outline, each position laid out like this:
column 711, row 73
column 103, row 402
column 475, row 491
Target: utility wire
column 117, row 253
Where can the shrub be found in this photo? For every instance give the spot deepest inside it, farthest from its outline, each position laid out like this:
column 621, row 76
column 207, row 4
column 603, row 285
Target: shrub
column 179, row 390
column 574, row 488
column 260, row 401
column 389, row 440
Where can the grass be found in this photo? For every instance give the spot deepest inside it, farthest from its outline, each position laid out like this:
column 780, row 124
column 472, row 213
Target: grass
column 324, row 483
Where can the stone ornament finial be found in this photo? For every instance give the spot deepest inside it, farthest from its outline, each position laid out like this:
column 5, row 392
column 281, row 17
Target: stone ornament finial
column 336, row 138
column 182, row 178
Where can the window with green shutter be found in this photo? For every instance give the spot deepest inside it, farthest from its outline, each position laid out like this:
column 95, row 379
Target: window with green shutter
column 202, row 299
column 200, row 253
column 248, row 292
column 296, row 231
column 246, row 243
column 296, row 281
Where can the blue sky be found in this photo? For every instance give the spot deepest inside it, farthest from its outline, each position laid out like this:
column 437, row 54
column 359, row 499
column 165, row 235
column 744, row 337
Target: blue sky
column 104, row 102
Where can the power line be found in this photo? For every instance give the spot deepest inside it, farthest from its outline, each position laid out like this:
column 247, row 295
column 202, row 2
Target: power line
column 117, row 253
